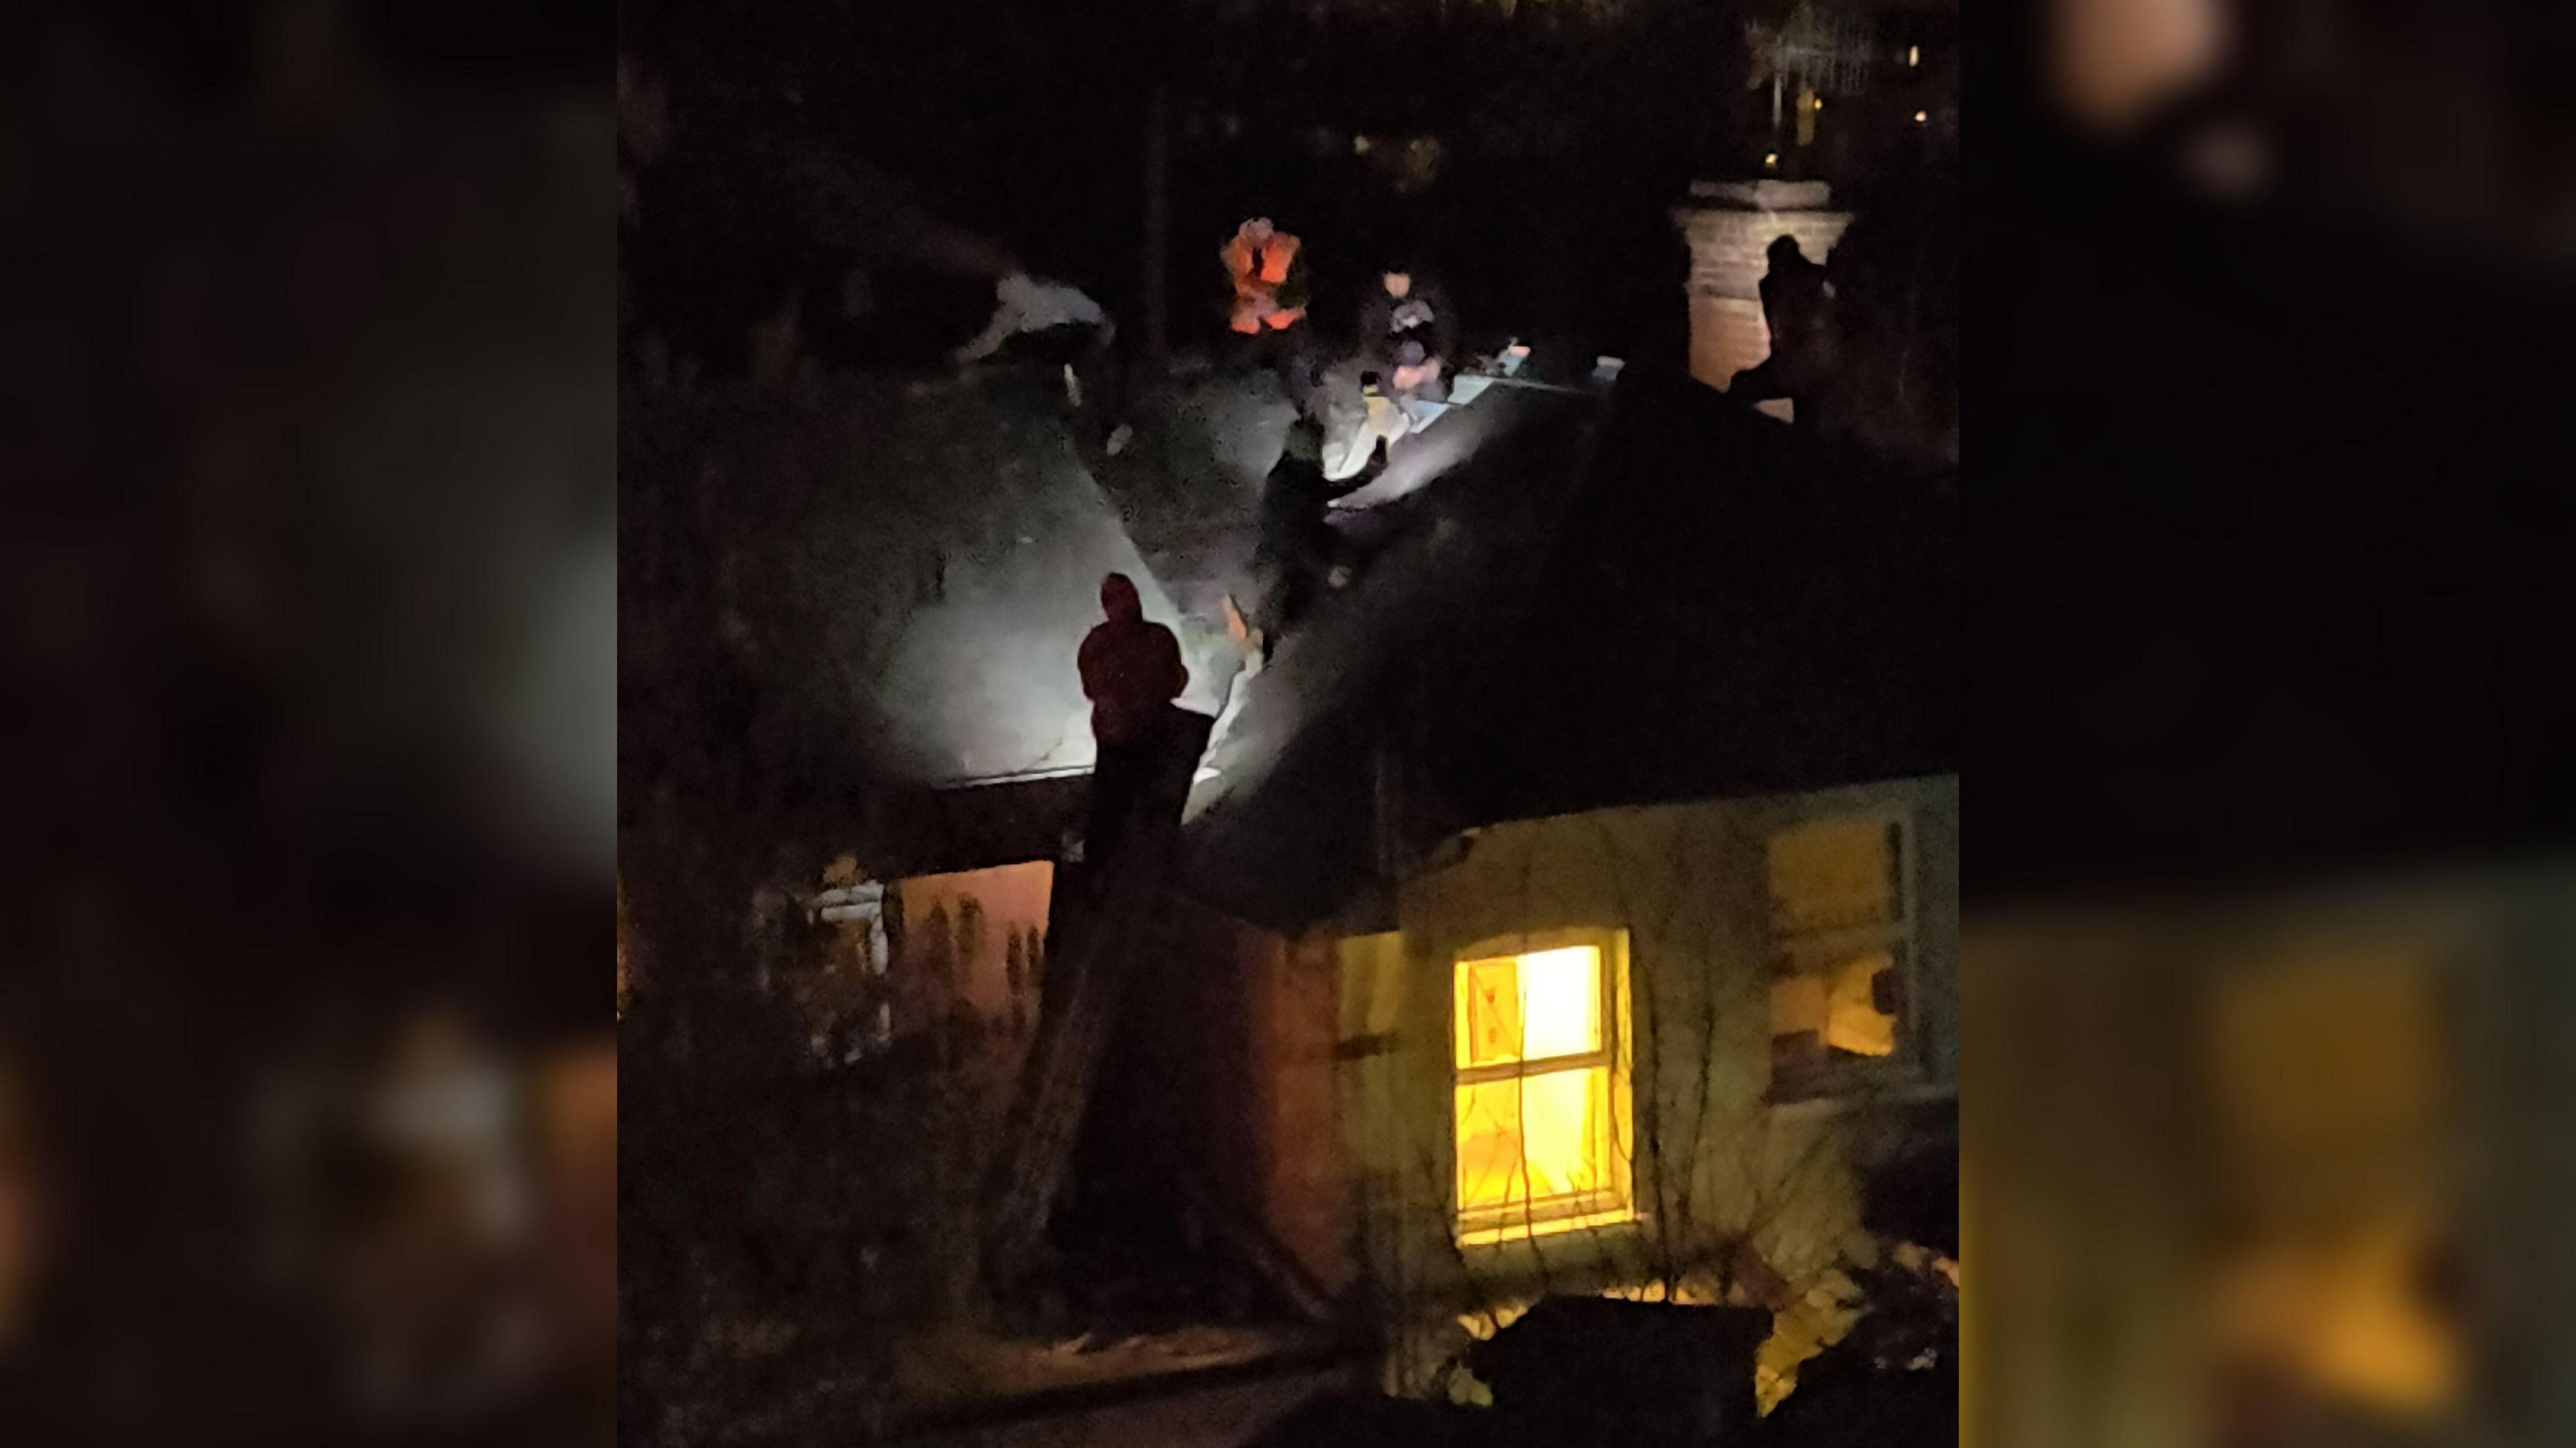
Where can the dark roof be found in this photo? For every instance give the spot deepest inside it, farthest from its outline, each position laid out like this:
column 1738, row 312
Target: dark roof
column 1663, row 598
column 1726, row 611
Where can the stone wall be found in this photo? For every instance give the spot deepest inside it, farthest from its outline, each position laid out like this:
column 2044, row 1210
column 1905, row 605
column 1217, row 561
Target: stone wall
column 1730, row 227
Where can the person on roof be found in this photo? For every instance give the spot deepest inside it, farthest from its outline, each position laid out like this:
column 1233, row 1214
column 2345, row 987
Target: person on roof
column 1797, row 306
column 1408, row 308
column 1295, row 545
column 1266, row 289
column 1360, row 433
column 1061, row 330
column 1416, row 384
column 1796, row 293
column 1131, row 673
column 1058, row 321
column 1265, row 270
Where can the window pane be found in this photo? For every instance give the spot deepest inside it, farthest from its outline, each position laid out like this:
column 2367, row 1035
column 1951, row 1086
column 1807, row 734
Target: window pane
column 1561, row 1002
column 1854, row 1022
column 1561, row 1137
column 1539, row 1136
column 1832, row 876
column 1489, row 1144
column 1529, row 1007
column 1836, row 1008
column 1489, row 1012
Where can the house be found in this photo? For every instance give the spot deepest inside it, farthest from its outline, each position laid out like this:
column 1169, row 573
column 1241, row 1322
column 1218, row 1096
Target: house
column 1572, row 904
column 1569, row 903
column 1609, row 877
column 1619, row 1047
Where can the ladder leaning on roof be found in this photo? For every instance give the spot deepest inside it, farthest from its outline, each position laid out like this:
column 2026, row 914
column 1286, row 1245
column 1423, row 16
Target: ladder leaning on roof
column 1099, row 939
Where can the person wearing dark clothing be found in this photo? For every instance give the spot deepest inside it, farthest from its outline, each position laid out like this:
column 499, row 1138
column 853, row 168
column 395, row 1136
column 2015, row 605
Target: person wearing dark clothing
column 1795, row 298
column 1797, row 307
column 1408, row 308
column 1131, row 673
column 1296, row 544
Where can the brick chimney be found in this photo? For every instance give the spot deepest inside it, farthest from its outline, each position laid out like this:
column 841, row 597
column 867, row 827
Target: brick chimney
column 1730, row 226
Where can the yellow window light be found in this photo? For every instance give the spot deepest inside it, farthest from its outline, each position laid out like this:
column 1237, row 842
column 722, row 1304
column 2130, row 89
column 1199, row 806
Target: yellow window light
column 1833, row 875
column 1529, row 1007
column 1539, row 1093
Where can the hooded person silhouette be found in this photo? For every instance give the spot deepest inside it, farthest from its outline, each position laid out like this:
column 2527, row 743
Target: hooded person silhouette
column 1131, row 672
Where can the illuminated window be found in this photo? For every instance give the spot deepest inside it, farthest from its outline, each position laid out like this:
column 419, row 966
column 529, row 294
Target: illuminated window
column 1541, row 1104
column 1843, row 928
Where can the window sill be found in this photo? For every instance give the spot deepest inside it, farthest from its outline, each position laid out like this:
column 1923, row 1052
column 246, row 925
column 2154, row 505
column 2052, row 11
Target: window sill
column 1511, row 1232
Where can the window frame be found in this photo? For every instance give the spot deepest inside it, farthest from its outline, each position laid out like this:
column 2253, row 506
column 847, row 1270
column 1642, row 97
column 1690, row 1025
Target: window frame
column 1614, row 1201
column 1816, row 952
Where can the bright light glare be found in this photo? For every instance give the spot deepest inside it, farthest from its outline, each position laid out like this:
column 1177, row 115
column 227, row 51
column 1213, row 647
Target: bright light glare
column 1529, row 1007
column 1560, row 1002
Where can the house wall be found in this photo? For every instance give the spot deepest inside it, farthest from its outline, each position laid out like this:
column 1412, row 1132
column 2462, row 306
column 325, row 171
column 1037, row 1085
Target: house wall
column 969, row 959
column 1296, row 1167
column 1254, row 1095
column 976, row 940
column 1714, row 1161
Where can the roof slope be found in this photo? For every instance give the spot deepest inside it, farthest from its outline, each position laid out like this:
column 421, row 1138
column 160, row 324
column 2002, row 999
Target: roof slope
column 1665, row 598
column 952, row 558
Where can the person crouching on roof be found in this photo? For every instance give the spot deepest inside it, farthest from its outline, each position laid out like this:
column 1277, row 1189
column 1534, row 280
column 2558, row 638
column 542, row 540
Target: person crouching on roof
column 1266, row 301
column 1044, row 322
column 1131, row 673
column 1058, row 328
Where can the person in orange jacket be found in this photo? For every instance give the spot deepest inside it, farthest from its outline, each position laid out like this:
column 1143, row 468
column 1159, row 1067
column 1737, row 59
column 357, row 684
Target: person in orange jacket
column 1266, row 268
column 1265, row 272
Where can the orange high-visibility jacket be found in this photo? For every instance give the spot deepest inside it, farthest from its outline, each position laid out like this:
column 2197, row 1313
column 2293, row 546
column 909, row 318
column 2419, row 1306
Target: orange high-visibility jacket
column 1267, row 288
